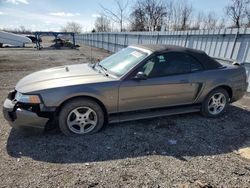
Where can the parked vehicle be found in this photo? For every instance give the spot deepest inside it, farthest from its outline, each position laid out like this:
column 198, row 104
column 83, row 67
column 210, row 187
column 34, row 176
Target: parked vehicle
column 13, row 39
column 142, row 81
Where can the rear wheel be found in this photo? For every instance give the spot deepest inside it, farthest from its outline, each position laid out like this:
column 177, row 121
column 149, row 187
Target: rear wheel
column 215, row 103
column 81, row 117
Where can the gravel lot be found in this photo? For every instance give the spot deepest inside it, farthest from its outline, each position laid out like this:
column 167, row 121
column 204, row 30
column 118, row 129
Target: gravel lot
column 178, row 151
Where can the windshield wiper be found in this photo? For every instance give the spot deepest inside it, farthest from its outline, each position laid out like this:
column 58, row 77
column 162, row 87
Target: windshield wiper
column 103, row 69
column 93, row 65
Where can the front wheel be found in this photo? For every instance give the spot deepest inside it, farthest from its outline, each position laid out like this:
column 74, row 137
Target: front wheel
column 81, row 117
column 215, row 103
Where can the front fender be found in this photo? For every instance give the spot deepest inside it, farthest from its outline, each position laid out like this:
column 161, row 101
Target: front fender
column 108, row 95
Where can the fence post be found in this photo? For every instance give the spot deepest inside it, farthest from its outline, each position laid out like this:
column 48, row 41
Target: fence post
column 89, row 39
column 125, row 38
column 92, row 40
column 234, row 44
column 115, row 43
column 157, row 39
column 102, row 40
column 74, row 41
column 108, row 42
column 138, row 39
column 185, row 45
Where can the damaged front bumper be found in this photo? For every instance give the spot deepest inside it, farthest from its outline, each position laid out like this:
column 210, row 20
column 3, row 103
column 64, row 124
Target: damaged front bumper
column 22, row 119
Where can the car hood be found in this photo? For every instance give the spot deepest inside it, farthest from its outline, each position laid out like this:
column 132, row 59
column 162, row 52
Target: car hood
column 60, row 77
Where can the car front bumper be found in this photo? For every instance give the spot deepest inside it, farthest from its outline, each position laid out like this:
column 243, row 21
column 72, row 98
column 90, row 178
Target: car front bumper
column 23, row 119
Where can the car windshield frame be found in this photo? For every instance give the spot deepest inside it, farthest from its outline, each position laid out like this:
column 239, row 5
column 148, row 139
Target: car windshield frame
column 135, row 52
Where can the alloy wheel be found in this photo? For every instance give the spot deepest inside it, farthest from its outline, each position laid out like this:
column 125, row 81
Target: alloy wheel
column 217, row 103
column 82, row 120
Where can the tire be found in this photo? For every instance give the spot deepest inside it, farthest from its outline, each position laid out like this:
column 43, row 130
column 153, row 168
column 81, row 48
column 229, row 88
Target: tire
column 81, row 116
column 215, row 104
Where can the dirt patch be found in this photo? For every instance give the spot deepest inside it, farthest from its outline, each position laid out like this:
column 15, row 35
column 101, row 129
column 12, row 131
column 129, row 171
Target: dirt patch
column 178, row 151
column 244, row 152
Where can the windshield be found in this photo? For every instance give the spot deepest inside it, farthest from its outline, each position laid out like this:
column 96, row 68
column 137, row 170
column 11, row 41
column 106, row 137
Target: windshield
column 123, row 61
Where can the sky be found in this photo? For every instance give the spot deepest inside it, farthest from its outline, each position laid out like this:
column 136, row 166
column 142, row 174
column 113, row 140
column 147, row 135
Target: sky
column 52, row 15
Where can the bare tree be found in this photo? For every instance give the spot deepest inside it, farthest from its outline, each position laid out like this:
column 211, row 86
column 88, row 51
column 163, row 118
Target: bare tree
column 102, row 24
column 138, row 19
column 169, row 14
column 236, row 11
column 221, row 23
column 186, row 10
column 151, row 15
column 210, row 21
column 247, row 12
column 248, row 19
column 182, row 11
column 119, row 14
column 207, row 21
column 72, row 27
column 22, row 29
column 155, row 12
column 148, row 15
column 198, row 21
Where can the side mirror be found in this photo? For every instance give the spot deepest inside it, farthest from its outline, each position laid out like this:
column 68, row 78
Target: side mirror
column 140, row 76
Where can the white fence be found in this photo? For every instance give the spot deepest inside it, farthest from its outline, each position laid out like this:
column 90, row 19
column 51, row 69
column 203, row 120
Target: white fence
column 227, row 44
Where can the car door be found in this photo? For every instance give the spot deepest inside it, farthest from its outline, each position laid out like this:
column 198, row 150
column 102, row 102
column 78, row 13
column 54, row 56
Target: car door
column 167, row 84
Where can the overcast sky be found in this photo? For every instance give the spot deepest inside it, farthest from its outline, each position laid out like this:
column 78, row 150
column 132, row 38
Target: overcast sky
column 53, row 14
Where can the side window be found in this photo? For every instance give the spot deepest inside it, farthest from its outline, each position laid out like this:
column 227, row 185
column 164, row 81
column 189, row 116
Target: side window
column 195, row 65
column 171, row 63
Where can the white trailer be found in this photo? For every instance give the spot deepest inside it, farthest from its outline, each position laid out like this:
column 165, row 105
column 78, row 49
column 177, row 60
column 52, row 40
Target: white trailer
column 13, row 39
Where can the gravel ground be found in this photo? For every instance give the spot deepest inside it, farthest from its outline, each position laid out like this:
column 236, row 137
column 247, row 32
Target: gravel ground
column 178, row 151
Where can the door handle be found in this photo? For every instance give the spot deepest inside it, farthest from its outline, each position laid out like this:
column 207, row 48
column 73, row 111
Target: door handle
column 184, row 81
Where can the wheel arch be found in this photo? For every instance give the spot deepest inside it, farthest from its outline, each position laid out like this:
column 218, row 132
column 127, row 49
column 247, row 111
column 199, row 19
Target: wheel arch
column 227, row 88
column 104, row 109
column 204, row 107
column 206, row 92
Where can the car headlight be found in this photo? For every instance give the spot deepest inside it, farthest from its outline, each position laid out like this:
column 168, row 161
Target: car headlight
column 31, row 99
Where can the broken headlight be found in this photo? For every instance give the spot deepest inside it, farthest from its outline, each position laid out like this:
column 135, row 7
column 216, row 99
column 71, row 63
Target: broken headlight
column 29, row 99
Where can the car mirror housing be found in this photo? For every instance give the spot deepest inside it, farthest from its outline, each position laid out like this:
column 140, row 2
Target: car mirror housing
column 140, row 76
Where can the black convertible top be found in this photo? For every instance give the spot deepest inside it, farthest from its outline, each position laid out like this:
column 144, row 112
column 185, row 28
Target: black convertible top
column 201, row 56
